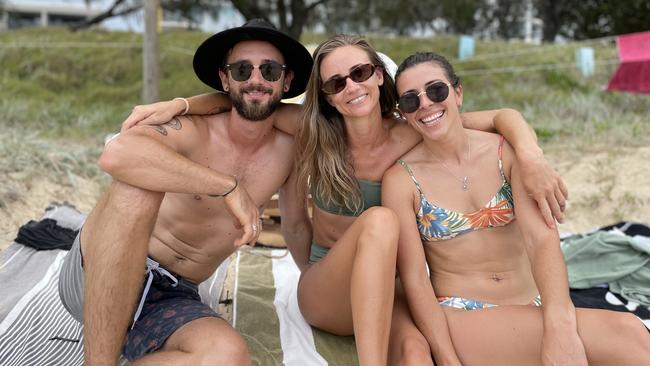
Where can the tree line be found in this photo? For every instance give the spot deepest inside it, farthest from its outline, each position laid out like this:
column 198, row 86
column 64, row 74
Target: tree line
column 575, row 20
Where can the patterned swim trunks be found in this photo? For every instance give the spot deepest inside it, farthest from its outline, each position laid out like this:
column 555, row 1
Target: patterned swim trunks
column 166, row 303
column 167, row 307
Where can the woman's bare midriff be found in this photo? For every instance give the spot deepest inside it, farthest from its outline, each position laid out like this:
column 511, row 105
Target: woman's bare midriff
column 489, row 267
column 328, row 228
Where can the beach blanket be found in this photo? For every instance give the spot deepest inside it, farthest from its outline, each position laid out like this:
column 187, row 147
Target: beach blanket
column 260, row 298
column 266, row 313
column 609, row 268
column 259, row 291
column 35, row 329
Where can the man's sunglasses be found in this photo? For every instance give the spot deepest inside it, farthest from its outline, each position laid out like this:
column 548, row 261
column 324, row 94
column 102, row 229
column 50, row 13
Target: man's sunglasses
column 242, row 70
column 437, row 92
column 358, row 74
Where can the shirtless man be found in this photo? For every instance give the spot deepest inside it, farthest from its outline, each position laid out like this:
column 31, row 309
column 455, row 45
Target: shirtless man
column 185, row 196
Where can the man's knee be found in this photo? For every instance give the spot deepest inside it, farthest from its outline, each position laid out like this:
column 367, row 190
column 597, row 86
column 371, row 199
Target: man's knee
column 230, row 351
column 212, row 342
column 122, row 209
column 130, row 199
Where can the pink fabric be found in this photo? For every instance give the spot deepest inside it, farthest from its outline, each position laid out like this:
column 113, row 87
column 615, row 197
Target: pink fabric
column 633, row 74
column 631, row 77
column 634, row 47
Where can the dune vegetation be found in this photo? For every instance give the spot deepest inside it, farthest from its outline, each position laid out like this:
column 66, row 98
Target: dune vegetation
column 61, row 92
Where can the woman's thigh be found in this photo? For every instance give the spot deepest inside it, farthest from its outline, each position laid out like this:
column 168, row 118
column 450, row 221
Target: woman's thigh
column 324, row 291
column 512, row 335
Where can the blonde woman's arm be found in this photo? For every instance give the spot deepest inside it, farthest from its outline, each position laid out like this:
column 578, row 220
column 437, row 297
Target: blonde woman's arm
column 161, row 112
column 539, row 178
column 286, row 118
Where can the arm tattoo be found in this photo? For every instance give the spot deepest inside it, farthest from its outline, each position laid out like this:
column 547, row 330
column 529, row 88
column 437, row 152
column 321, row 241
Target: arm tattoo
column 175, row 123
column 162, row 130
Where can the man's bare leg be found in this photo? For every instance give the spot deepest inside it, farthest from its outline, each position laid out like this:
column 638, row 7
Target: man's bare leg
column 114, row 243
column 204, row 341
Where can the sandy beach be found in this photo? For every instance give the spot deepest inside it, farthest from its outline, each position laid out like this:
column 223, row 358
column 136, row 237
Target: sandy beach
column 605, row 187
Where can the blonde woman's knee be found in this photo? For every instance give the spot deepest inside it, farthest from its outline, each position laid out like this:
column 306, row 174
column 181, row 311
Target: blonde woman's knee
column 382, row 219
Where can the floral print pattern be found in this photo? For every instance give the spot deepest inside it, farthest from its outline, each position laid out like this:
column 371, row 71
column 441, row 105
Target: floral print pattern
column 436, row 223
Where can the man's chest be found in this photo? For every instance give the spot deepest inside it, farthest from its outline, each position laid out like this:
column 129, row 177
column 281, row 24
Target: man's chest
column 261, row 173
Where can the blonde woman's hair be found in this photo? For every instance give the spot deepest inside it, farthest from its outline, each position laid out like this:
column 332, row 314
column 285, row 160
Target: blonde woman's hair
column 323, row 163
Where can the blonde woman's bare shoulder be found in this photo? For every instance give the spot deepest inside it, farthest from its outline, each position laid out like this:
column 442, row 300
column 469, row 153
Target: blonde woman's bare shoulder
column 395, row 174
column 286, row 117
column 402, row 133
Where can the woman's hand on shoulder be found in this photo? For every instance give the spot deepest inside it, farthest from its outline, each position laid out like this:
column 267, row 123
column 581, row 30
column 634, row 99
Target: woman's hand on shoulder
column 545, row 186
column 153, row 114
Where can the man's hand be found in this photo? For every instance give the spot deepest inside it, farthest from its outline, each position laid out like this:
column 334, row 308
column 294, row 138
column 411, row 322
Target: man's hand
column 153, row 114
column 563, row 349
column 245, row 214
column 545, row 185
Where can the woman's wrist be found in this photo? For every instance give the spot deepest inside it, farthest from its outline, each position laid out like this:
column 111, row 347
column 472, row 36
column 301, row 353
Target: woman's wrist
column 529, row 153
column 559, row 317
column 184, row 106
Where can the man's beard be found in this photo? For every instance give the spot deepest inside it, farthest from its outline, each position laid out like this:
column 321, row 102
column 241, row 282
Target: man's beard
column 255, row 111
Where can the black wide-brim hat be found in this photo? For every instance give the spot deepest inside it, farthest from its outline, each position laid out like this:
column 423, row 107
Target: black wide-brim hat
column 210, row 55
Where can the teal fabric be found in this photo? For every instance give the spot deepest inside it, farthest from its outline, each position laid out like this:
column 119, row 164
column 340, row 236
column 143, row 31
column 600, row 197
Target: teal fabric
column 613, row 258
column 317, row 252
column 370, row 194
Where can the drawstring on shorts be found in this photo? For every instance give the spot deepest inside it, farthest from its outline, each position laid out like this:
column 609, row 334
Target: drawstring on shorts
column 152, row 266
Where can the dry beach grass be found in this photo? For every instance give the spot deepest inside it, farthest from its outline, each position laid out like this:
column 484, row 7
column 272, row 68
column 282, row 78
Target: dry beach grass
column 605, row 187
column 57, row 103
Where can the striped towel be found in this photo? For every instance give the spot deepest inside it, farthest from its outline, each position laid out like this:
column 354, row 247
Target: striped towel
column 266, row 313
column 35, row 328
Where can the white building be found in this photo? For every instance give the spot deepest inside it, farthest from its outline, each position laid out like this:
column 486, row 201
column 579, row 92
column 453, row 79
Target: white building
column 26, row 13
column 43, row 13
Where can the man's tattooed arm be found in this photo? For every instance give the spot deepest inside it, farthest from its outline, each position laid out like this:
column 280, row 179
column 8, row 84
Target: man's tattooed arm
column 162, row 130
column 174, row 123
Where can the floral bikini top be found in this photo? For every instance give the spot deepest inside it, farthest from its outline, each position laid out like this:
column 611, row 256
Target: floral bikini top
column 436, row 223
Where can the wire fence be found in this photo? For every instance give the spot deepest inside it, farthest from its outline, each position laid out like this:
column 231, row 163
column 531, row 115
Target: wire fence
column 538, row 67
column 547, row 48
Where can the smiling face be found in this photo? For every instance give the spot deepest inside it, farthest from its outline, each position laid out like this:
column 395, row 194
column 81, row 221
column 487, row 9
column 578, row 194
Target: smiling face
column 357, row 99
column 432, row 119
column 256, row 98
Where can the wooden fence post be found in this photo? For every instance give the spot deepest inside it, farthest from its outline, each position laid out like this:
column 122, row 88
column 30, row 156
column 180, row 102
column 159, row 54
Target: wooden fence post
column 150, row 52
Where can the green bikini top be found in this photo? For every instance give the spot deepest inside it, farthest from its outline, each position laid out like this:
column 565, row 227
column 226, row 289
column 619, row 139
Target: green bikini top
column 370, row 195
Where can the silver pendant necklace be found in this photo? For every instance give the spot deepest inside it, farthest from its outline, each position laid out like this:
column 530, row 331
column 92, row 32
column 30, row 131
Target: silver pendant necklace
column 465, row 179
